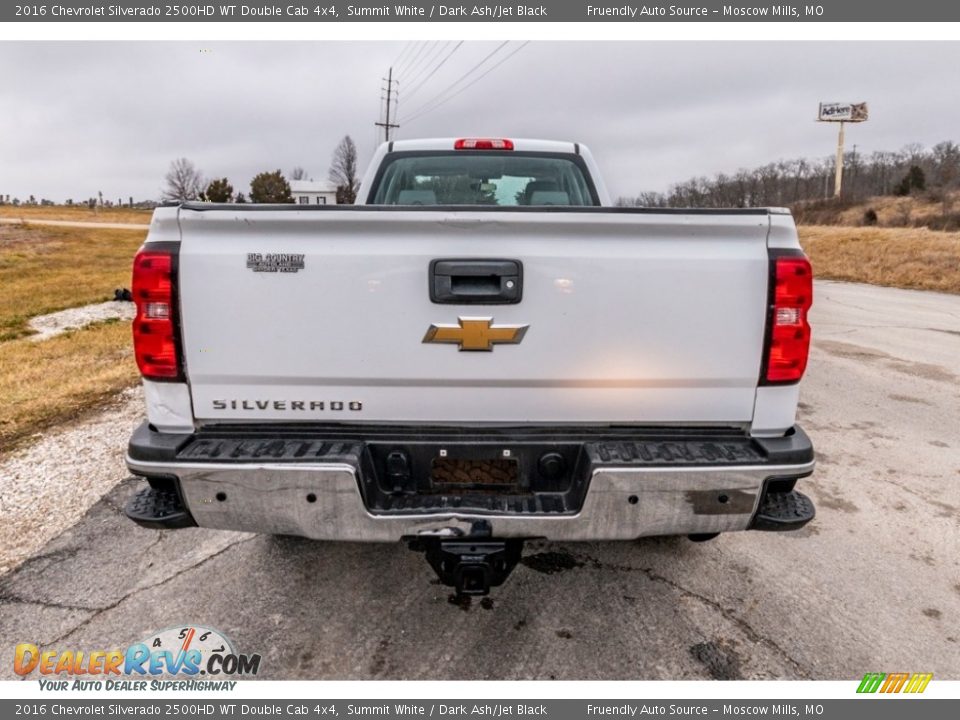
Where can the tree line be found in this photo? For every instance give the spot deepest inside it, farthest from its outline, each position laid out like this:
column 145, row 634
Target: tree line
column 789, row 182
column 184, row 181
column 91, row 203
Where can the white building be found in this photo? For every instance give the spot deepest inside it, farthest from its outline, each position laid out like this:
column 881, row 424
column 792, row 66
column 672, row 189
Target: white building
column 313, row 192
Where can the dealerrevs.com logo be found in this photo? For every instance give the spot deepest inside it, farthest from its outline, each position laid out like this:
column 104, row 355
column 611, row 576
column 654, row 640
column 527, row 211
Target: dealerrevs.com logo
column 190, row 652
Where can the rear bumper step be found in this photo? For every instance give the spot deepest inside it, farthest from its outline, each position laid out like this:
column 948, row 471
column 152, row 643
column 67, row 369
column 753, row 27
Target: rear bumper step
column 783, row 511
column 158, row 509
column 348, row 488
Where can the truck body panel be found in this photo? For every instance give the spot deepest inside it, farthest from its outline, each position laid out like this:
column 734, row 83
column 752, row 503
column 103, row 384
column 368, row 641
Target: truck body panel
column 632, row 317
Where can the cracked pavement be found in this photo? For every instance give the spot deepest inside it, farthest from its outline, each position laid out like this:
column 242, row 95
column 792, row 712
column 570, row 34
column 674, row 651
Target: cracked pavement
column 872, row 584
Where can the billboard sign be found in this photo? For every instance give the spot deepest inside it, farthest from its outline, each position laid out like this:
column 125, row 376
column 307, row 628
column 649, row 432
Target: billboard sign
column 842, row 112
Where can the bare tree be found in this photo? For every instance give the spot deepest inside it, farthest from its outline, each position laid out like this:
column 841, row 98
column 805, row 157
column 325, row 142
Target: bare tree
column 184, row 181
column 298, row 173
column 946, row 160
column 644, row 199
column 343, row 171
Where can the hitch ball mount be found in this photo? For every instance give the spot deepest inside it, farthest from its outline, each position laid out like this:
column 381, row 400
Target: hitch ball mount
column 470, row 565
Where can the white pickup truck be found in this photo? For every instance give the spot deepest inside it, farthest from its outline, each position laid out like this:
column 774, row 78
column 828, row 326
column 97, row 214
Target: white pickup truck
column 482, row 351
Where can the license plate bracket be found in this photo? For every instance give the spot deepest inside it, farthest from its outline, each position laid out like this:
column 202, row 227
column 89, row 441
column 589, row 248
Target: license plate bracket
column 493, row 475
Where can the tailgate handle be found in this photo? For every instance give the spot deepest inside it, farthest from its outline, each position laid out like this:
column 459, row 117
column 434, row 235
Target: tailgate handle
column 476, row 282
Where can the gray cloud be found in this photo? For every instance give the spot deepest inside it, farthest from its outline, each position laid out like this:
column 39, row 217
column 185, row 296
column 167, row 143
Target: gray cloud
column 78, row 117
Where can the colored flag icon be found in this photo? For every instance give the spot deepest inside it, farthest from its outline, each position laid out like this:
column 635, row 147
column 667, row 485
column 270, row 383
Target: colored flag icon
column 888, row 683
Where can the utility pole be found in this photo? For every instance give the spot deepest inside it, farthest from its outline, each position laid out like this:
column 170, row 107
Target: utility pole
column 386, row 124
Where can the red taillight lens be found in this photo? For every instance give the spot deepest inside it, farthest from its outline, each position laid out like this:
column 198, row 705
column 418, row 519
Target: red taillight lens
column 789, row 342
column 483, row 144
column 154, row 333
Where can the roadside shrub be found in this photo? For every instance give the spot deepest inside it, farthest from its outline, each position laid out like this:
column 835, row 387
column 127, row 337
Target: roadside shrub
column 270, row 187
column 948, row 222
column 827, row 211
column 903, row 215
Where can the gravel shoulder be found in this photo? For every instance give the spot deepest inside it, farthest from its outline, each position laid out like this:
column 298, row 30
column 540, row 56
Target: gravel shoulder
column 53, row 324
column 49, row 485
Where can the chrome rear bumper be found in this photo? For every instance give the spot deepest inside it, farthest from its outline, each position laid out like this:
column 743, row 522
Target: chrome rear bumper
column 323, row 501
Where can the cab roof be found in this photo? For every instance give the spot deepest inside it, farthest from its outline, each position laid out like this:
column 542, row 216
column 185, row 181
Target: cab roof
column 519, row 144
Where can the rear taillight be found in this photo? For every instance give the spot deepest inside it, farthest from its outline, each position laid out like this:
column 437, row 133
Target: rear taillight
column 788, row 332
column 483, row 144
column 154, row 327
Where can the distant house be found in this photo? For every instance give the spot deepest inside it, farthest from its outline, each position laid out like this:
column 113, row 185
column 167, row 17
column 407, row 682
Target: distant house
column 313, row 192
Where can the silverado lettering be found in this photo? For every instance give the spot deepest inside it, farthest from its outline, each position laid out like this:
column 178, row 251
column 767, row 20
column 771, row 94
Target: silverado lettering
column 293, row 405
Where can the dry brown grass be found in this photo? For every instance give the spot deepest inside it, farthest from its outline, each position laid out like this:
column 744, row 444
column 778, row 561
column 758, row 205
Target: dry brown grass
column 915, row 258
column 49, row 382
column 935, row 209
column 911, row 211
column 45, row 269
column 76, row 212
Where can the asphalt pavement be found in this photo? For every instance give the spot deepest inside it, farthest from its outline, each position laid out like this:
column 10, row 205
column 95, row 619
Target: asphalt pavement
column 873, row 584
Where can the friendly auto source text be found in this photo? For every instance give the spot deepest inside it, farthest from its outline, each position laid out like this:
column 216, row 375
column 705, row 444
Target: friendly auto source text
column 632, row 11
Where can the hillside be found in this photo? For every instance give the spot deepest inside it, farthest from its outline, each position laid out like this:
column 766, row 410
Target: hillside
column 935, row 210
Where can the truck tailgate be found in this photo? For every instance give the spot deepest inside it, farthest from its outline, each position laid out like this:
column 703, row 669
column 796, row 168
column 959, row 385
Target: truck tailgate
column 633, row 317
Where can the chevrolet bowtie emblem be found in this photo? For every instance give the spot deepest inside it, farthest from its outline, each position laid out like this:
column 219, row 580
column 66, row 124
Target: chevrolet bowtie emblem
column 475, row 333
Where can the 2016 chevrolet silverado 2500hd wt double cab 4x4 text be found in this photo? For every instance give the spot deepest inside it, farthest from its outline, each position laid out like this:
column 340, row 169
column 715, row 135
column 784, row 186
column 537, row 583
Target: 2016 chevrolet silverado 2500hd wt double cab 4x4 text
column 482, row 351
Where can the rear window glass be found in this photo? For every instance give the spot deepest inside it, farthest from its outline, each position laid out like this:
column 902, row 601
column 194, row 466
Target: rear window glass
column 484, row 178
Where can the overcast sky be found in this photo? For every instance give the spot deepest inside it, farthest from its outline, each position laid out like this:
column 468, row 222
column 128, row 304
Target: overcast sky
column 80, row 117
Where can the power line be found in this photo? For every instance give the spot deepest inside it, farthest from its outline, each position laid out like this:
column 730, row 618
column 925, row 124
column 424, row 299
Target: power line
column 427, row 64
column 416, row 58
column 420, row 112
column 414, row 52
column 403, row 52
column 460, row 79
column 410, row 50
column 433, row 72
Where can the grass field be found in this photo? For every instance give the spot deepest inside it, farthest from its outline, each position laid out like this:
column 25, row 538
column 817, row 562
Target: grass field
column 77, row 213
column 914, row 258
column 44, row 269
column 46, row 383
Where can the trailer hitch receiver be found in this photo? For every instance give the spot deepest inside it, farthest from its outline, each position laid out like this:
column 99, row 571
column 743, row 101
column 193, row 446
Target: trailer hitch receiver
column 472, row 567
